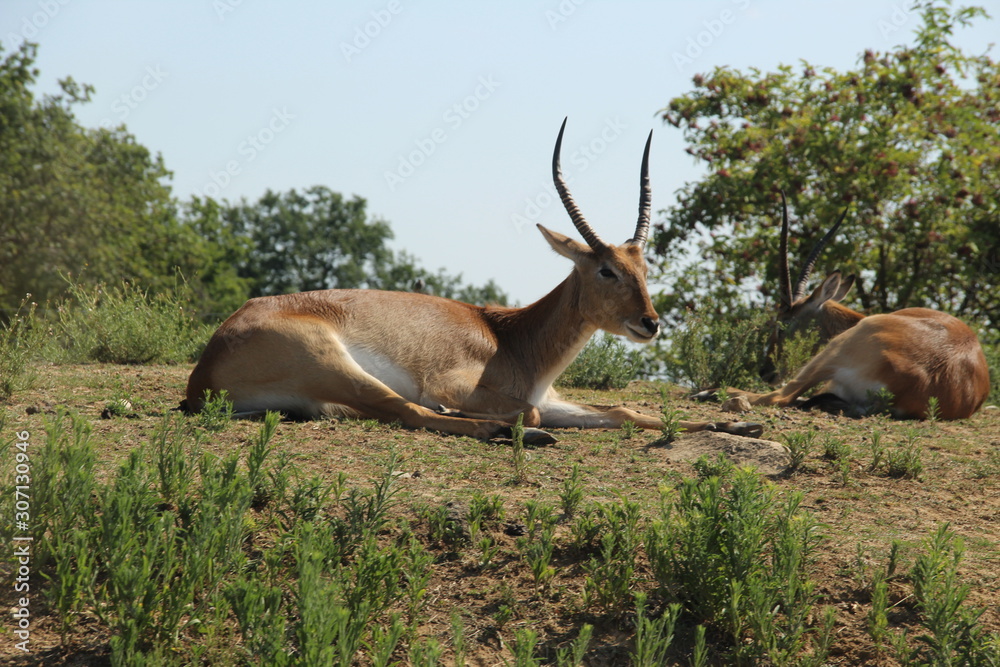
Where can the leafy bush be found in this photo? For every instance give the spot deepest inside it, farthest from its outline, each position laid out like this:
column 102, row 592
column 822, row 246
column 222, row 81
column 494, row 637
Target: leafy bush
column 713, row 349
column 126, row 325
column 736, row 555
column 605, row 363
column 20, row 340
column 992, row 352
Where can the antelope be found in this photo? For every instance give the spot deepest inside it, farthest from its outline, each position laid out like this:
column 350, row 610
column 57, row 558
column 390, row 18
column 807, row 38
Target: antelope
column 914, row 353
column 434, row 363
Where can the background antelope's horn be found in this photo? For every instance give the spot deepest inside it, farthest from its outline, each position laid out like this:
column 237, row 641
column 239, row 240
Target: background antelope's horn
column 800, row 285
column 592, row 239
column 784, row 277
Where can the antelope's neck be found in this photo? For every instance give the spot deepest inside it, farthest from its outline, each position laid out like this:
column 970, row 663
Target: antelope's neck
column 547, row 335
column 836, row 319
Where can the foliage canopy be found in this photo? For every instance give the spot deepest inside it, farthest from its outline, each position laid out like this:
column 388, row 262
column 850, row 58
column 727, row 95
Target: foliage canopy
column 908, row 141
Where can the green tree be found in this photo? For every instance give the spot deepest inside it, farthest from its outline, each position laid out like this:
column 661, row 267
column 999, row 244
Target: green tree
column 214, row 253
column 91, row 203
column 317, row 239
column 908, row 141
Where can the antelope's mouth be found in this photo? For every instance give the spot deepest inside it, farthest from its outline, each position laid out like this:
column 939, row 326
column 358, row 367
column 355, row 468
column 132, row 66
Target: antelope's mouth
column 640, row 334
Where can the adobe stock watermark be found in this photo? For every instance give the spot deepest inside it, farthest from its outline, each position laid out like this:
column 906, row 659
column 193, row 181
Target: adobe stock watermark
column 894, row 22
column 563, row 11
column 128, row 102
column 714, row 28
column 249, row 149
column 35, row 22
column 364, row 34
column 21, row 554
column 223, row 7
column 453, row 117
column 580, row 159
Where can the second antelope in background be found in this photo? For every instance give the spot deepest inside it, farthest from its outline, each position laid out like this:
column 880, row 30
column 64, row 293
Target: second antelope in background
column 914, row 353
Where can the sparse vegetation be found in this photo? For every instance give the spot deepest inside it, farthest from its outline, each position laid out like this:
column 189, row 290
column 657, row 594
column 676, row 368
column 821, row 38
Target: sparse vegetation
column 124, row 324
column 716, row 348
column 278, row 552
column 605, row 363
column 21, row 340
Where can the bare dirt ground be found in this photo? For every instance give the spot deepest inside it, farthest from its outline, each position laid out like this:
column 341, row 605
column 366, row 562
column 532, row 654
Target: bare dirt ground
column 862, row 511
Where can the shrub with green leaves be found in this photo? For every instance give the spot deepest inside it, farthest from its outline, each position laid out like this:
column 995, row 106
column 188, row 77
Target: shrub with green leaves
column 992, row 351
column 605, row 363
column 716, row 348
column 735, row 554
column 20, row 342
column 126, row 325
column 954, row 635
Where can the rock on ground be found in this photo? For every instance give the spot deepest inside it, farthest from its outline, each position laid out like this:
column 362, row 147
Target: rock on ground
column 769, row 457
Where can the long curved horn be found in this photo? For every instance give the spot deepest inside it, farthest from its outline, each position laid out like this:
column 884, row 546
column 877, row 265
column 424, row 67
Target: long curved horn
column 785, row 278
column 592, row 239
column 645, row 199
column 800, row 285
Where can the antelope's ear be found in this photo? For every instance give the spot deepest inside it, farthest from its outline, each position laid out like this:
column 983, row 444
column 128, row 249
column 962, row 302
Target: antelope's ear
column 828, row 289
column 564, row 245
column 845, row 286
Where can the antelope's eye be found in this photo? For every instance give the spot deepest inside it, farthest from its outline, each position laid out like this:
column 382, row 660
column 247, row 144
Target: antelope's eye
column 607, row 273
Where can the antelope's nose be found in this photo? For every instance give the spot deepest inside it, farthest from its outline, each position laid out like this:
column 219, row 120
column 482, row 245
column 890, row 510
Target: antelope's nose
column 652, row 326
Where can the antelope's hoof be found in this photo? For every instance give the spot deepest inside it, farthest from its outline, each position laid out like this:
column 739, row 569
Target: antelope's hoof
column 537, row 437
column 707, row 395
column 745, row 429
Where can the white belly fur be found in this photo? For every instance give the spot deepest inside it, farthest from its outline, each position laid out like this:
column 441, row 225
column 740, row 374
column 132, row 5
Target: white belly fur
column 386, row 371
column 852, row 386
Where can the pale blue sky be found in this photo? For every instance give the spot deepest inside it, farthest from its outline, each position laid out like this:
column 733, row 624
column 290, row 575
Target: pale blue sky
column 441, row 114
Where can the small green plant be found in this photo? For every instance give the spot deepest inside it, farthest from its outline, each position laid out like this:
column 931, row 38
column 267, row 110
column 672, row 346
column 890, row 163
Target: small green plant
column 653, row 637
column 836, row 449
column 700, row 656
column 840, row 454
column 878, row 620
column 721, row 466
column 586, row 529
column 572, row 655
column 258, row 454
column 444, row 527
column 800, row 444
column 611, row 572
column 605, row 363
column 486, row 509
column 458, row 638
column 905, row 461
column 538, row 517
column 629, row 430
column 537, row 552
column 877, row 450
column 217, row 413
column 670, row 420
column 954, row 634
column 736, row 555
column 571, row 492
column 880, row 402
column 933, row 409
column 523, row 647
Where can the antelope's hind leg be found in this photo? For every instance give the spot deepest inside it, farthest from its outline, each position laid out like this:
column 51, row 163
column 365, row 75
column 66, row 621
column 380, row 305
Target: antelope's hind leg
column 340, row 380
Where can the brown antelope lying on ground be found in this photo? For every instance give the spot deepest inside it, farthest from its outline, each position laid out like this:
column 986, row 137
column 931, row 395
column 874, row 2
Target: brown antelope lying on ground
column 430, row 362
column 914, row 353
